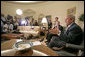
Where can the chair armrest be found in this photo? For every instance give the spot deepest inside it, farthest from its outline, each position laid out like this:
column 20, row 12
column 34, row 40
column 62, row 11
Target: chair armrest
column 75, row 46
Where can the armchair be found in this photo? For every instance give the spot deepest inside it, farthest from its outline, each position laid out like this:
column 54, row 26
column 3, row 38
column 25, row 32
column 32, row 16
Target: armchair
column 72, row 49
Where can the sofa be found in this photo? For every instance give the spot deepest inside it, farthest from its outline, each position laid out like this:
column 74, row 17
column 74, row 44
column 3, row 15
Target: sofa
column 27, row 30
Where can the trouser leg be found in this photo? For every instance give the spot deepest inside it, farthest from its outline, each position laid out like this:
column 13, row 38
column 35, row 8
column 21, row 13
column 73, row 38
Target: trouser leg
column 56, row 42
column 49, row 36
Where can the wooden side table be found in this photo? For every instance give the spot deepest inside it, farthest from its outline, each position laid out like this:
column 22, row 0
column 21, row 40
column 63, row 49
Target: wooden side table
column 11, row 36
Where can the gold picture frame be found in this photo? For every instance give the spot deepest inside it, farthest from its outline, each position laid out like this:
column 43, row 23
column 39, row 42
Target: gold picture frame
column 71, row 11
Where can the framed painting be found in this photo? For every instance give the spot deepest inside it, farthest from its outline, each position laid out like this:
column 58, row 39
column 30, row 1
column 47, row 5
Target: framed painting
column 71, row 11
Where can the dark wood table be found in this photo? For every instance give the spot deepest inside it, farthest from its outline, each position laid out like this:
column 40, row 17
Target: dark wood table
column 8, row 45
column 11, row 36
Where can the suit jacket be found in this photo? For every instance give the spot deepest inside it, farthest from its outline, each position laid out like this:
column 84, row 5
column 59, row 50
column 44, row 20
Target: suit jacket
column 73, row 34
column 49, row 25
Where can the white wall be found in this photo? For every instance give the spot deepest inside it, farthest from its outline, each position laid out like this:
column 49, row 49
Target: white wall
column 54, row 8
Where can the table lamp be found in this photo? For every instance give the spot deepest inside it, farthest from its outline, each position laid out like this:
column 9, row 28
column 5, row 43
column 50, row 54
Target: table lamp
column 44, row 22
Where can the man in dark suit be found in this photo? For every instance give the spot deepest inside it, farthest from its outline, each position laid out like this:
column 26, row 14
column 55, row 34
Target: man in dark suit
column 73, row 34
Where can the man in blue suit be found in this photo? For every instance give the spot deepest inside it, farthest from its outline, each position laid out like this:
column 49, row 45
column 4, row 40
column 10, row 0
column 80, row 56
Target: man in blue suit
column 73, row 34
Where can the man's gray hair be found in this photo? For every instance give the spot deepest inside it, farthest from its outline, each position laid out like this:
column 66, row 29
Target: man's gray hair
column 71, row 17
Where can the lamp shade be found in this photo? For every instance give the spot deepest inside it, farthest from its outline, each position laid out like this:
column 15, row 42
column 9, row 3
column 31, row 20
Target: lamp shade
column 44, row 20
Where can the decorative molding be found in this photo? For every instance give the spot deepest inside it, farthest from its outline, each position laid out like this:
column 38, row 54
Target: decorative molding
column 29, row 12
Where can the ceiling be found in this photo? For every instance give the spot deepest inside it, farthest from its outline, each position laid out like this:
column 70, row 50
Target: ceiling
column 25, row 2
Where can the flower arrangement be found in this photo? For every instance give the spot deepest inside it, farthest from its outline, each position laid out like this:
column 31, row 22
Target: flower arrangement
column 81, row 18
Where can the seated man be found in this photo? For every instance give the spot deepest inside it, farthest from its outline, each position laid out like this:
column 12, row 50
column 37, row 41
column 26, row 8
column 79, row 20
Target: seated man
column 72, row 35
